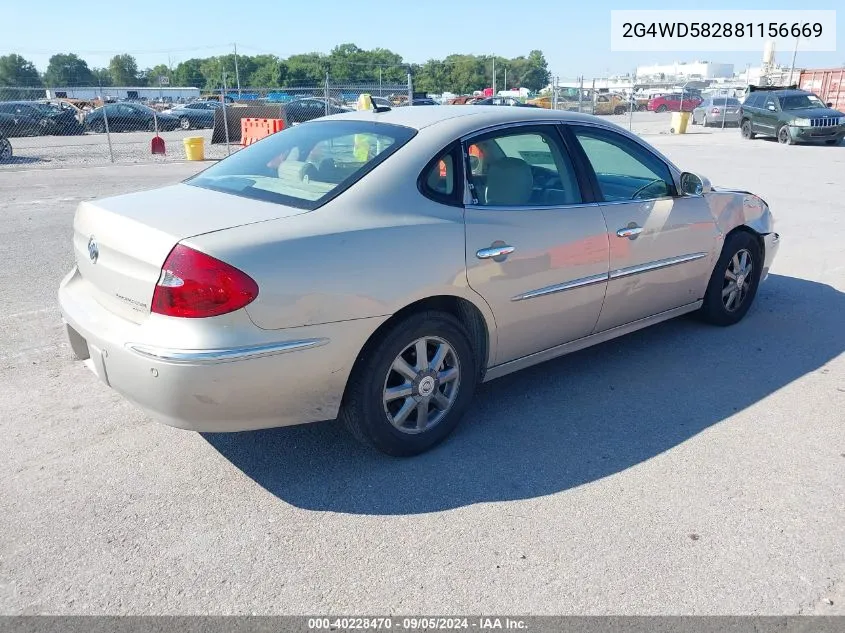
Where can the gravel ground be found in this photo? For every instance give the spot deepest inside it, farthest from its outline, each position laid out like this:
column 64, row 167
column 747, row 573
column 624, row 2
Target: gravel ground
column 683, row 469
column 134, row 147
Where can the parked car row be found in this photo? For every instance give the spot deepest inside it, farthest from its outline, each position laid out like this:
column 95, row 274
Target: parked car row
column 32, row 118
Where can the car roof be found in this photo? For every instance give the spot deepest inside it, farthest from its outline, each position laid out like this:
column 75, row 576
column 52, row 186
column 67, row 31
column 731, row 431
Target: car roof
column 474, row 116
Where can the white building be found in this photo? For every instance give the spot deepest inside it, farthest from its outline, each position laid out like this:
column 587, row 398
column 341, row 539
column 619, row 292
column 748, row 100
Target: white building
column 124, row 92
column 685, row 70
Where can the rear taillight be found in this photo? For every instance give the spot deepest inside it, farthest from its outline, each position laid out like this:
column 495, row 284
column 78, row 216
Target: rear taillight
column 715, row 111
column 194, row 285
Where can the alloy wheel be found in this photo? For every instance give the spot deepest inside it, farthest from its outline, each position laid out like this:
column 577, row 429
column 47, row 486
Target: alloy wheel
column 737, row 283
column 5, row 149
column 421, row 385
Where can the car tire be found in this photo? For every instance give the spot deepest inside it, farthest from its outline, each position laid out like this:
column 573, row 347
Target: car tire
column 704, row 121
column 99, row 127
column 785, row 136
column 389, row 420
column 832, row 141
column 6, row 152
column 726, row 302
column 745, row 130
column 661, row 108
column 619, row 110
column 185, row 123
column 151, row 125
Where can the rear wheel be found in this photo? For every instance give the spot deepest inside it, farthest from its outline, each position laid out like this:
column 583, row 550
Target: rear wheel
column 151, row 125
column 745, row 128
column 733, row 284
column 98, row 126
column 185, row 123
column 784, row 137
column 661, row 108
column 619, row 110
column 408, row 392
column 832, row 141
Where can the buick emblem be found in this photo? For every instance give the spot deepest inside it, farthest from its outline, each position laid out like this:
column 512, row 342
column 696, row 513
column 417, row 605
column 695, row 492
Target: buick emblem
column 93, row 250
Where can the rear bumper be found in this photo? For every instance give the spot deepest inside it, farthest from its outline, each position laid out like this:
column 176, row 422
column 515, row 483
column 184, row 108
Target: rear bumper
column 252, row 380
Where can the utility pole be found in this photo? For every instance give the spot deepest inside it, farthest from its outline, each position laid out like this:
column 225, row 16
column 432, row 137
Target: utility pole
column 792, row 67
column 237, row 74
column 506, row 78
column 494, row 75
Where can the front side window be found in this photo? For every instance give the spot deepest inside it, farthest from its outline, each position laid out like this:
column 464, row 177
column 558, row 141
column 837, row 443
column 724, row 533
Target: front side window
column 522, row 168
column 624, row 169
column 305, row 165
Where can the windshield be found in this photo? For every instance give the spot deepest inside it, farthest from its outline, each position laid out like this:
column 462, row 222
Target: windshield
column 800, row 102
column 306, row 165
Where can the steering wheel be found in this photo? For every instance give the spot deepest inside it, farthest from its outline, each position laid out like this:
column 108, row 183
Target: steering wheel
column 646, row 186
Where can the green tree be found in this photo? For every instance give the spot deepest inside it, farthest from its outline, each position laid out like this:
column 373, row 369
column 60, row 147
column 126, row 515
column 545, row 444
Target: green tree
column 189, row 74
column 17, row 71
column 307, row 68
column 536, row 74
column 153, row 75
column 101, row 76
column 270, row 72
column 124, row 70
column 68, row 69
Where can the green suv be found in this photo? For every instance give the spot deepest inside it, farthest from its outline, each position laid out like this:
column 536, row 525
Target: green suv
column 791, row 116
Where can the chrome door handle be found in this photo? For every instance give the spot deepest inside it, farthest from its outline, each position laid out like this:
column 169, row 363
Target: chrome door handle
column 629, row 231
column 495, row 251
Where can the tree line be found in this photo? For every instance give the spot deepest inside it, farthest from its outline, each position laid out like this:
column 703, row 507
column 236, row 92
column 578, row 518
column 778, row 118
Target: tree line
column 346, row 63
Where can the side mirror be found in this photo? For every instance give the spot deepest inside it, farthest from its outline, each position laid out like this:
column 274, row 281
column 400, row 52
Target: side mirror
column 771, row 108
column 829, row 104
column 694, row 185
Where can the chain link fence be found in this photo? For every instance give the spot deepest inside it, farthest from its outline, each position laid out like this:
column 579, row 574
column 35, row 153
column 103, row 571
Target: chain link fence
column 95, row 125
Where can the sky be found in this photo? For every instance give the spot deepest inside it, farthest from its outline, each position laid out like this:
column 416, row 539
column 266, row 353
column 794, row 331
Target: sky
column 574, row 41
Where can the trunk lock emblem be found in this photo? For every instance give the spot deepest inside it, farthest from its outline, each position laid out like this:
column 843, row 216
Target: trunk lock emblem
column 93, row 250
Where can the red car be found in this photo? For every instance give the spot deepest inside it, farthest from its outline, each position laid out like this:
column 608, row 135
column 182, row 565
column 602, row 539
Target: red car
column 673, row 102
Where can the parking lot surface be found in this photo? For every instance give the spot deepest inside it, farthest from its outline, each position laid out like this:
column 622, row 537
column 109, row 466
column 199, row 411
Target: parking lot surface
column 684, row 469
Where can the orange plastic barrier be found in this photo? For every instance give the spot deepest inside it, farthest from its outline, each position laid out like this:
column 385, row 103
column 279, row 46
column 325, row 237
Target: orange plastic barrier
column 253, row 130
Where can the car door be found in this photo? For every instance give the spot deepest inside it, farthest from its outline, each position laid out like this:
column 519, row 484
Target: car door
column 536, row 244
column 661, row 244
column 767, row 119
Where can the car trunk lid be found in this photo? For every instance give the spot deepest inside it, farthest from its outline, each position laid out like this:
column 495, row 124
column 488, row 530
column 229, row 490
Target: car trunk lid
column 121, row 243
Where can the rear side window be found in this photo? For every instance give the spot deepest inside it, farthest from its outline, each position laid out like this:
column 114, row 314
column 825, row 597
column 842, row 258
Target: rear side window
column 441, row 179
column 305, row 165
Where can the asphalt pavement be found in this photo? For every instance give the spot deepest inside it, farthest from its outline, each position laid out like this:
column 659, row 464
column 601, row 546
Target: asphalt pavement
column 684, row 469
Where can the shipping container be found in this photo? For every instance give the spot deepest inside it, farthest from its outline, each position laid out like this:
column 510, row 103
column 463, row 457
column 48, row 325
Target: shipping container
column 828, row 84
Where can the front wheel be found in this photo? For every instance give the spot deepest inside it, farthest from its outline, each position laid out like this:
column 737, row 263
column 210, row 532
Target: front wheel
column 745, row 128
column 733, row 284
column 784, row 137
column 185, row 123
column 833, row 141
column 409, row 391
column 661, row 108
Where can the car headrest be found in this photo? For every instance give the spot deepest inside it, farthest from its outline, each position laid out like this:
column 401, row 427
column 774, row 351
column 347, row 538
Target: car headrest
column 509, row 182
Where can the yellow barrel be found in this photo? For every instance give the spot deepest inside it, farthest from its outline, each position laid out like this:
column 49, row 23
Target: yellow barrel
column 194, row 147
column 680, row 120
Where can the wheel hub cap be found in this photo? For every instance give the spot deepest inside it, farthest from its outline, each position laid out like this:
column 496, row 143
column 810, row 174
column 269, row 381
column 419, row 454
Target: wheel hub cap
column 740, row 279
column 426, row 386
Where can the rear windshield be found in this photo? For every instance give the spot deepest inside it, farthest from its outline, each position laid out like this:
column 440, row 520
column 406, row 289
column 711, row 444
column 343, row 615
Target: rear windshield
column 722, row 101
column 305, row 165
